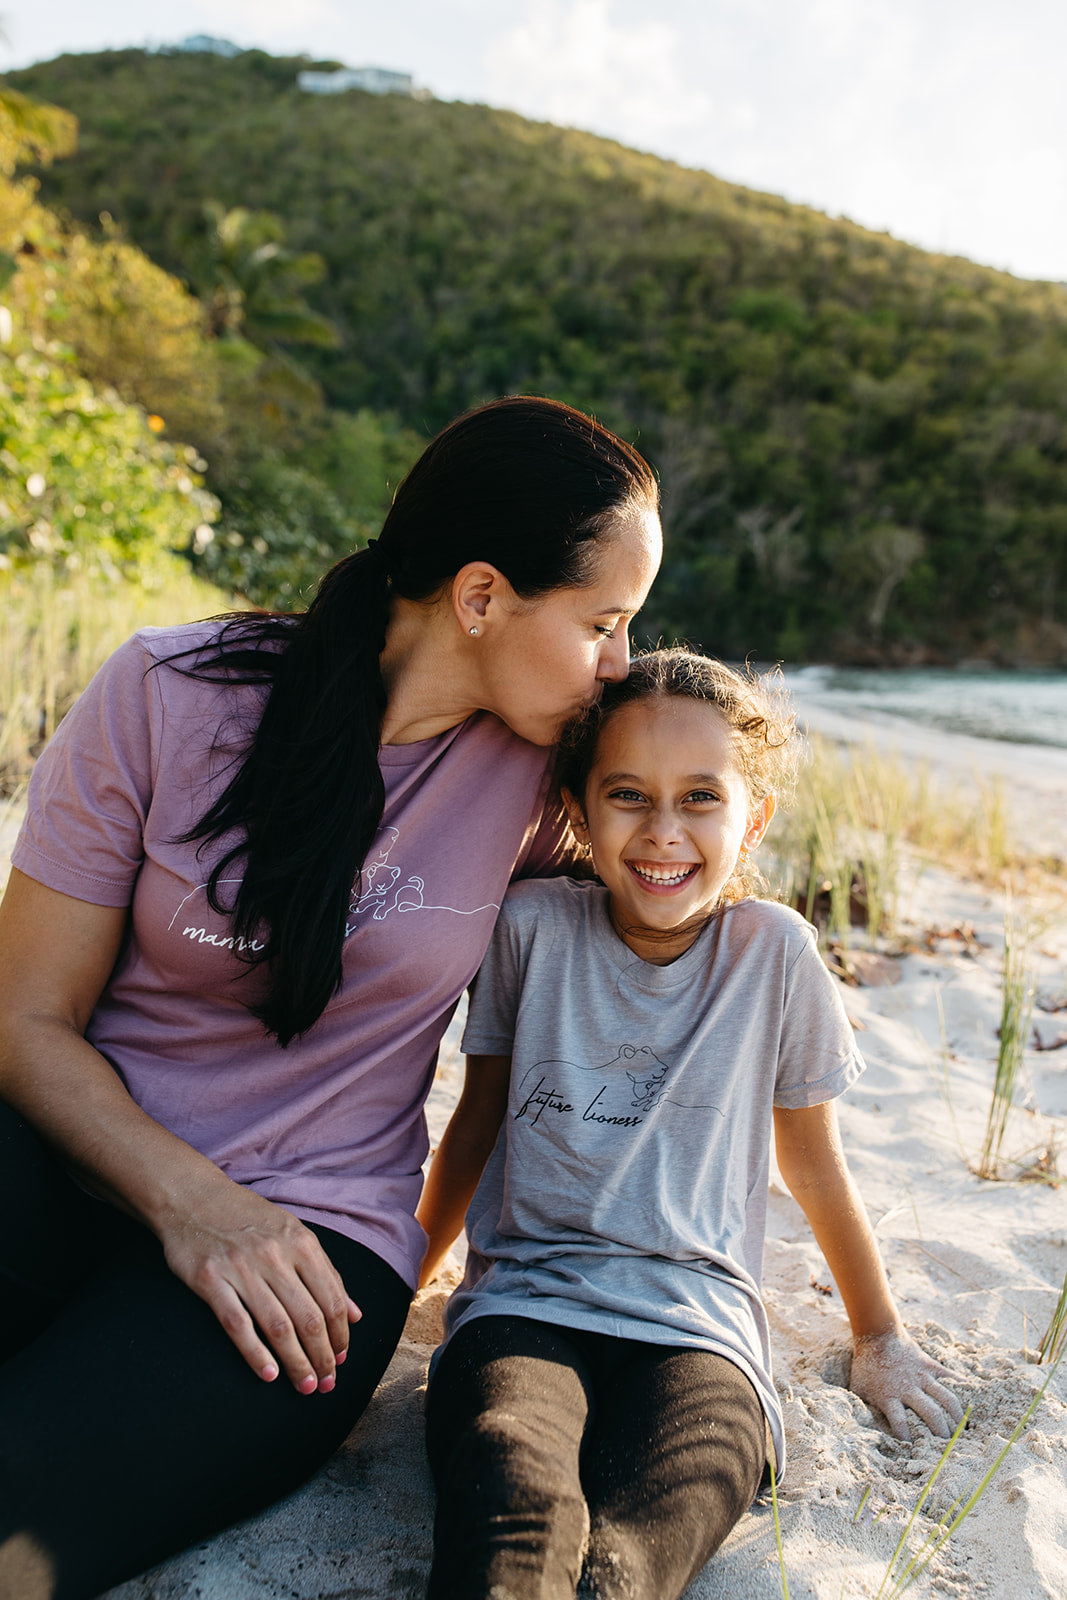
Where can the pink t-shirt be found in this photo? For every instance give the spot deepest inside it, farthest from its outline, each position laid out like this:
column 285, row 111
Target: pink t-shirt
column 331, row 1127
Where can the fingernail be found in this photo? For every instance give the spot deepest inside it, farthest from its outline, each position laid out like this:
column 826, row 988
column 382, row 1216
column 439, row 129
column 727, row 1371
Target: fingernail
column 309, row 1384
column 269, row 1372
column 354, row 1313
column 340, row 1356
column 326, row 1384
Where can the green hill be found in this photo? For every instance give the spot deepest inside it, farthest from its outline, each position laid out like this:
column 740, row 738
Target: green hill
column 863, row 447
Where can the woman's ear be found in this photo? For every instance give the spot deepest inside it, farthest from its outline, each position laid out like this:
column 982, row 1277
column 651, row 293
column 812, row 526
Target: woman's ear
column 759, row 822
column 474, row 589
column 576, row 816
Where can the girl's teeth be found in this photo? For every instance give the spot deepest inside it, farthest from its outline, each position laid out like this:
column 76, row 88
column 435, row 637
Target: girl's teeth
column 663, row 877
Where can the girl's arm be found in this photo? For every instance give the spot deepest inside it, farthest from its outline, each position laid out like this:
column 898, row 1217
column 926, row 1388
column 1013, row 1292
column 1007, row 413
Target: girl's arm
column 264, row 1275
column 461, row 1156
column 889, row 1370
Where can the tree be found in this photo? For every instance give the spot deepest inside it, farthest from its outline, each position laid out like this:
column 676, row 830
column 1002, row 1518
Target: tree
column 32, row 131
column 253, row 286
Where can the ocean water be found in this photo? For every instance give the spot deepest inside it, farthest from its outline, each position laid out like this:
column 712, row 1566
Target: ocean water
column 1017, row 707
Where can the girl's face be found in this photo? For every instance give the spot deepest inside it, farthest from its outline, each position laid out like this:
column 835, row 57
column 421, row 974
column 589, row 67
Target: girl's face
column 666, row 812
column 549, row 659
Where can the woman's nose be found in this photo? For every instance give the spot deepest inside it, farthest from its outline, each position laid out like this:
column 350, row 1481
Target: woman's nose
column 614, row 661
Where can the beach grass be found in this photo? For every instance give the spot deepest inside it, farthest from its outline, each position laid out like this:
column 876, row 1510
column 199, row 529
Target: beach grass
column 909, row 1559
column 905, row 1568
column 836, row 856
column 1017, row 999
column 783, row 1575
column 57, row 628
column 861, row 818
column 1054, row 1340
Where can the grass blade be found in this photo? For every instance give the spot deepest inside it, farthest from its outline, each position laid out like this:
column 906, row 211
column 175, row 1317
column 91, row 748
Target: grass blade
column 944, row 1530
column 1017, row 1005
column 778, row 1534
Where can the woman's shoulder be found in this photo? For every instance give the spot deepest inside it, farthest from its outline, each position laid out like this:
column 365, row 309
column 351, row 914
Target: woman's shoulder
column 153, row 647
column 136, row 686
column 184, row 642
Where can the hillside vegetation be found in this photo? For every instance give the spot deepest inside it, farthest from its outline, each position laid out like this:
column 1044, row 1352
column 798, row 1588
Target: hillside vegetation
column 95, row 507
column 863, row 447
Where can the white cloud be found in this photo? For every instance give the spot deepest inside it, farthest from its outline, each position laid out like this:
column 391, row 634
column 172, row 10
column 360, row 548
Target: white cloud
column 280, row 21
column 575, row 62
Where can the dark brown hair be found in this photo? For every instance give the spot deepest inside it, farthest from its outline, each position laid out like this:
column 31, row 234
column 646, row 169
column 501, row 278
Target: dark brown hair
column 526, row 484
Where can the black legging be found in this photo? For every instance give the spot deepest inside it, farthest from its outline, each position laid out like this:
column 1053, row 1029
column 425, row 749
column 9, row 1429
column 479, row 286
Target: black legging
column 577, row 1463
column 130, row 1426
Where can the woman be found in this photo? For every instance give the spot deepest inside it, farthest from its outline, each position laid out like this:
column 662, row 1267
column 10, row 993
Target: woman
column 262, row 859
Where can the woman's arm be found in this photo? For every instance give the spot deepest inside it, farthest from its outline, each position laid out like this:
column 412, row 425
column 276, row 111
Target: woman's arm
column 264, row 1275
column 461, row 1156
column 889, row 1370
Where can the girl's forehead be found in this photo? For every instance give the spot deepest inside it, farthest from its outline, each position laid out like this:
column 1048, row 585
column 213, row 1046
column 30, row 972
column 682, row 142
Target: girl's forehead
column 671, row 726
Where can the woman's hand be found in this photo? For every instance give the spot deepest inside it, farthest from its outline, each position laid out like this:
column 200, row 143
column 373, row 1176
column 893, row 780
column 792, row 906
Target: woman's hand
column 264, row 1275
column 270, row 1284
column 890, row 1372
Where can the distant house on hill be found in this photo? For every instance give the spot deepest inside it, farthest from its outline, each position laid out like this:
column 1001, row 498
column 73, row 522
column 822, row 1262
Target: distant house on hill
column 373, row 80
column 202, row 44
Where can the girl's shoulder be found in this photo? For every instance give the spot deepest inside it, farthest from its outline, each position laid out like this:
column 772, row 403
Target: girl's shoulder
column 534, row 900
column 773, row 914
column 770, row 921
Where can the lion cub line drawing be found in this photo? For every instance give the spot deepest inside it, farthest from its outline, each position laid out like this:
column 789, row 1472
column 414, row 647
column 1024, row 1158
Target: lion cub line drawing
column 648, row 1083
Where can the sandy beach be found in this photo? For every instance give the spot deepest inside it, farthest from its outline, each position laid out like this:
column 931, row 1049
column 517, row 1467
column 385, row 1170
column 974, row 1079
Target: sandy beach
column 976, row 1268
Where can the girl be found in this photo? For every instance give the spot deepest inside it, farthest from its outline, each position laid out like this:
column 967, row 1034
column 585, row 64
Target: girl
column 262, row 859
column 602, row 1410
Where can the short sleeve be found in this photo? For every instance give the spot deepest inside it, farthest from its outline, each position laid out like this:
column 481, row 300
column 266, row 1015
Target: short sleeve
column 92, row 786
column 818, row 1058
column 494, row 1001
column 549, row 846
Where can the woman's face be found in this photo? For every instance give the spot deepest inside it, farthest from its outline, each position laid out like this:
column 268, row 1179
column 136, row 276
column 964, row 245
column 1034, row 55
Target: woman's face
column 552, row 656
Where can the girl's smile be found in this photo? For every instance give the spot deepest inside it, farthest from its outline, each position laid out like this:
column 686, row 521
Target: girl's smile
column 661, row 879
column 666, row 811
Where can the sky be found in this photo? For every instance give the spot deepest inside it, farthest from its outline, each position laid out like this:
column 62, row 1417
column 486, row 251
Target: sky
column 943, row 122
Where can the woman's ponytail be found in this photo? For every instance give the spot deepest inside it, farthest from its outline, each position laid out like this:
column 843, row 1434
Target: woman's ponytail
column 526, row 484
column 308, row 796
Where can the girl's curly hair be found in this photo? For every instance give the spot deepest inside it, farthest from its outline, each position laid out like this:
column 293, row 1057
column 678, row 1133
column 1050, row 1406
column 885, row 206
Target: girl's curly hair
column 755, row 706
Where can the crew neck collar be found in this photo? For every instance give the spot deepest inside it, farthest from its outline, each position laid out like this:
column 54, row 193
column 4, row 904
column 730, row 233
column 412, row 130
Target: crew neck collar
column 646, row 975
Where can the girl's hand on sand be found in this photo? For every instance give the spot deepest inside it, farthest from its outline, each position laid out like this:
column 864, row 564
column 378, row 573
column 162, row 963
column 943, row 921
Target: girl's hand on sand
column 890, row 1372
column 267, row 1278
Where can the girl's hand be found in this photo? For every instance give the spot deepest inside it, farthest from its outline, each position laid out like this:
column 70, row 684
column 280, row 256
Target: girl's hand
column 890, row 1372
column 267, row 1278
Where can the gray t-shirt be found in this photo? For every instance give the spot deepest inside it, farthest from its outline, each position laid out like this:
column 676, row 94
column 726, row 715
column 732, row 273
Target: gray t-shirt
column 627, row 1190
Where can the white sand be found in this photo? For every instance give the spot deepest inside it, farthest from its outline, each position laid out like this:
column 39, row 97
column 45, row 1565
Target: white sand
column 976, row 1268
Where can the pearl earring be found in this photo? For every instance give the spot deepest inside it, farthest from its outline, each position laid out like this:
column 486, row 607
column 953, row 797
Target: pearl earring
column 473, row 632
